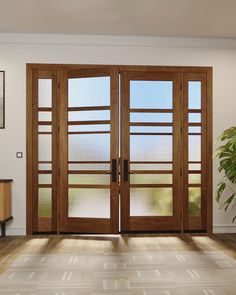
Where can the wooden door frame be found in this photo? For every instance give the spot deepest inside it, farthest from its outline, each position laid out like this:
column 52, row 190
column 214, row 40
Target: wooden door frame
column 118, row 69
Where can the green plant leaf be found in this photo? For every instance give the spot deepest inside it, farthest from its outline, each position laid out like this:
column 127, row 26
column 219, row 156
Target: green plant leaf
column 220, row 188
column 229, row 201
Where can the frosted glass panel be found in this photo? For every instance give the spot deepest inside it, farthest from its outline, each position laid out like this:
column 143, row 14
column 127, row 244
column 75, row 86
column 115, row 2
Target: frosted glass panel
column 194, row 118
column 151, row 178
column 45, row 128
column 151, row 202
column 89, row 92
column 45, row 93
column 93, row 203
column 89, row 116
column 151, row 94
column 194, row 148
column 194, row 129
column 151, row 166
column 150, row 148
column 45, row 178
column 83, row 128
column 89, row 166
column 89, row 147
column 194, row 166
column 153, row 129
column 88, row 179
column 44, row 202
column 45, row 147
column 45, row 166
column 194, row 201
column 194, row 178
column 194, row 95
column 151, row 117
column 45, row 116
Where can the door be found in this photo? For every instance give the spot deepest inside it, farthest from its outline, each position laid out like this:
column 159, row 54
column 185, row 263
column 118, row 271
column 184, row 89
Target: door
column 89, row 192
column 118, row 149
column 150, row 149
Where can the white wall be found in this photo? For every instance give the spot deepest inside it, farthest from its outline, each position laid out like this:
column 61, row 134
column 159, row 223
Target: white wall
column 18, row 49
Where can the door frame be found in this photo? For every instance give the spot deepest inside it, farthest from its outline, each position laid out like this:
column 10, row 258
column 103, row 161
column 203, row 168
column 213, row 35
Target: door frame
column 117, row 69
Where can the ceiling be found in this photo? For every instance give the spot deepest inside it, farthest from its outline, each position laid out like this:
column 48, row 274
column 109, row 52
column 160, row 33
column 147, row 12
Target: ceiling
column 178, row 18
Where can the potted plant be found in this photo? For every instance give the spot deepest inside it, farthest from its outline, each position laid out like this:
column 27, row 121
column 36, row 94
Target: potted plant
column 226, row 153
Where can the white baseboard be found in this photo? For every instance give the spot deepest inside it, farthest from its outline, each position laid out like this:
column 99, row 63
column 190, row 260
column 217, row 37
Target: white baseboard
column 227, row 228
column 14, row 231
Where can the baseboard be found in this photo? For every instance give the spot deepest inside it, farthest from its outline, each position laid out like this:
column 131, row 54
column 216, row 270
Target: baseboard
column 14, row 231
column 227, row 228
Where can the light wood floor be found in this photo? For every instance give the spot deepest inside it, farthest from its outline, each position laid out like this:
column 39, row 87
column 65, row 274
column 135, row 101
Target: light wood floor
column 12, row 247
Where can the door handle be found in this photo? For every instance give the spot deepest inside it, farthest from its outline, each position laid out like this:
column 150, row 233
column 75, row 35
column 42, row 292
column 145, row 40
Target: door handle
column 126, row 170
column 114, row 170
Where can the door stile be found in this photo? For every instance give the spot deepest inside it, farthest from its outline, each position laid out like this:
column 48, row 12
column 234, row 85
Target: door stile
column 114, row 146
column 125, row 155
column 35, row 150
column 63, row 172
column 177, row 163
column 54, row 150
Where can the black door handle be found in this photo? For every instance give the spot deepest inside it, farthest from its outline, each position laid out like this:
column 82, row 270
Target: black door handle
column 126, row 170
column 113, row 170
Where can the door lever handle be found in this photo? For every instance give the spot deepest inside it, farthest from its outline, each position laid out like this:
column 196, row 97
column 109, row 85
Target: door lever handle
column 126, row 170
column 114, row 170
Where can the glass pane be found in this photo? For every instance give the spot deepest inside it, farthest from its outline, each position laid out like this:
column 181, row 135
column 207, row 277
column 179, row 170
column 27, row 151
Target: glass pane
column 81, row 128
column 44, row 202
column 45, row 116
column 151, row 94
column 84, row 203
column 45, row 178
column 45, row 147
column 45, row 93
column 89, row 166
column 153, row 129
column 194, row 129
column 88, row 179
column 150, row 148
column 151, row 117
column 194, row 95
column 194, row 117
column 151, row 202
column 89, row 92
column 151, row 166
column 151, row 178
column 194, row 148
column 194, row 178
column 89, row 147
column 194, row 166
column 45, row 128
column 89, row 116
column 195, row 201
column 45, row 166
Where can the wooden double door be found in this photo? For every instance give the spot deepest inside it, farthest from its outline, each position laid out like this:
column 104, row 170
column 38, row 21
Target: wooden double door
column 118, row 149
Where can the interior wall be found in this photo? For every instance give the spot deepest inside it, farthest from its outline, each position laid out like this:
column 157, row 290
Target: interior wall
column 18, row 49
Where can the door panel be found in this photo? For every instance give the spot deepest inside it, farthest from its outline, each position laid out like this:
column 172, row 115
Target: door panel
column 150, row 175
column 90, row 152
